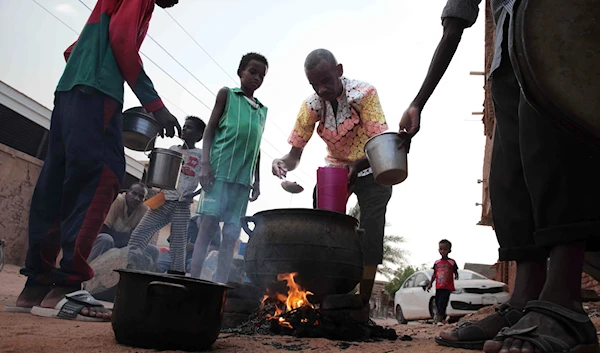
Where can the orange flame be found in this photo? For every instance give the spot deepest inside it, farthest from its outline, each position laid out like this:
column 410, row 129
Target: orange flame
column 296, row 297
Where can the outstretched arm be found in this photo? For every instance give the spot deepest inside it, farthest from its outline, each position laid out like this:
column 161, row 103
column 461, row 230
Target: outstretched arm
column 453, row 29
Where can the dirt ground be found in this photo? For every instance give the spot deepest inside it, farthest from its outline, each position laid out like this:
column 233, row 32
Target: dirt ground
column 32, row 334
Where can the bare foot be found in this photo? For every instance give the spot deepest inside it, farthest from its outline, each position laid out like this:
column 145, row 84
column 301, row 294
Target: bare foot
column 58, row 293
column 32, row 295
column 550, row 329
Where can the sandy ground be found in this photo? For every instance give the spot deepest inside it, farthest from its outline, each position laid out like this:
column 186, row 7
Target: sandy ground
column 32, row 334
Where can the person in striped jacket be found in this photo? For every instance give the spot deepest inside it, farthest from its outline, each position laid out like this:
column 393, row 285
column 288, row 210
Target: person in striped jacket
column 86, row 163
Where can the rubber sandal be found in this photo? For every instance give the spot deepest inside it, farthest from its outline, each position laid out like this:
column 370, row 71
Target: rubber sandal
column 70, row 307
column 472, row 336
column 16, row 309
column 578, row 328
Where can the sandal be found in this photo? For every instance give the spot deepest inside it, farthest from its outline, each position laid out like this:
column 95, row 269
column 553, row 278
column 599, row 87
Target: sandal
column 70, row 307
column 579, row 331
column 472, row 335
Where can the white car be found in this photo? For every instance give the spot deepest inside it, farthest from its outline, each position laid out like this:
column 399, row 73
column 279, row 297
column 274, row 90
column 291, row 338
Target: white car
column 473, row 292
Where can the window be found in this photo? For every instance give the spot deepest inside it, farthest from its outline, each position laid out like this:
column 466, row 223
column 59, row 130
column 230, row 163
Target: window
column 410, row 282
column 420, row 278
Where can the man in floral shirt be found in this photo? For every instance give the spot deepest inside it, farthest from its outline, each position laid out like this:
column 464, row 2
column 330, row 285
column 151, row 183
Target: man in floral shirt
column 347, row 113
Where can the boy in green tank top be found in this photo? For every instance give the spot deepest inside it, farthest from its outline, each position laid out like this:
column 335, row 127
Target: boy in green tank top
column 230, row 163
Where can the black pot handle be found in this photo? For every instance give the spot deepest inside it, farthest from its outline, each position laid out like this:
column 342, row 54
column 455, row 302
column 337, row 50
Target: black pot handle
column 168, row 290
column 361, row 233
column 244, row 221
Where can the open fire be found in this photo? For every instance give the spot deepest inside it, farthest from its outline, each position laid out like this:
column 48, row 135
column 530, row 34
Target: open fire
column 292, row 313
column 295, row 299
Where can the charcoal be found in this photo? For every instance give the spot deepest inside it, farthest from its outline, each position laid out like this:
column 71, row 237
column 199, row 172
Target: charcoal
column 232, row 320
column 311, row 323
column 344, row 301
column 240, row 306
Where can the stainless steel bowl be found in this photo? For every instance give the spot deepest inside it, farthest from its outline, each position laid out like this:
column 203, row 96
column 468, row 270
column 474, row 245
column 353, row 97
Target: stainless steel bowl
column 139, row 129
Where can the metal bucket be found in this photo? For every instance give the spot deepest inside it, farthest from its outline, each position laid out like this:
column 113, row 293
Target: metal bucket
column 386, row 153
column 164, row 168
column 139, row 129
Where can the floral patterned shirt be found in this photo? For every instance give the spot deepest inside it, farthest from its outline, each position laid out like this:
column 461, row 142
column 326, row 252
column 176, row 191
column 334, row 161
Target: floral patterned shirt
column 359, row 117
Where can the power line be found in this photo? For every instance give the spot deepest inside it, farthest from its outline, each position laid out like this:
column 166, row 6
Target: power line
column 199, row 46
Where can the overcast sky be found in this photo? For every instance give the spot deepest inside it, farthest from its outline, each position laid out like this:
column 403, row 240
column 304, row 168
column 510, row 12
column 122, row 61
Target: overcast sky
column 388, row 43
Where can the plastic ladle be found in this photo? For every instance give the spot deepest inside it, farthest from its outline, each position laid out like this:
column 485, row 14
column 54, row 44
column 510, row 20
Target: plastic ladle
column 290, row 186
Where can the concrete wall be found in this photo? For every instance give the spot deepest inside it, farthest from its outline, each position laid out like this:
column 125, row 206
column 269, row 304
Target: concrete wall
column 18, row 174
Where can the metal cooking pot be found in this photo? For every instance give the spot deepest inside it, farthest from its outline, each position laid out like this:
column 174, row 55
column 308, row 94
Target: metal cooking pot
column 139, row 129
column 323, row 247
column 387, row 155
column 164, row 168
column 167, row 312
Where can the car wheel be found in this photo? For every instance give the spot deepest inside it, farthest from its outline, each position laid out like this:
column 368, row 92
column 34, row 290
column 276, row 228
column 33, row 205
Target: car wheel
column 432, row 308
column 400, row 316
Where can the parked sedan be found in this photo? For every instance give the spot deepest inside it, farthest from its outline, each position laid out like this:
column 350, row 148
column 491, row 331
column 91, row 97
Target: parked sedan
column 473, row 292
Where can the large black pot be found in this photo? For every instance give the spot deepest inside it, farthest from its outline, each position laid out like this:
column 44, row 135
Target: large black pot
column 160, row 311
column 323, row 247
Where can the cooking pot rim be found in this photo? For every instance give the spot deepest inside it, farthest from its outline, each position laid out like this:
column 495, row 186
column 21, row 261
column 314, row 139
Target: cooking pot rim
column 381, row 134
column 308, row 211
column 167, row 151
column 134, row 114
column 169, row 276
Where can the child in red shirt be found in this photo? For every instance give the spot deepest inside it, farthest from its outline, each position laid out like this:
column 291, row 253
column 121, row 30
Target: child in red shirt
column 445, row 271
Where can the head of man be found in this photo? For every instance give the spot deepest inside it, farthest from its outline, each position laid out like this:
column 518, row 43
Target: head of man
column 324, row 74
column 166, row 3
column 136, row 195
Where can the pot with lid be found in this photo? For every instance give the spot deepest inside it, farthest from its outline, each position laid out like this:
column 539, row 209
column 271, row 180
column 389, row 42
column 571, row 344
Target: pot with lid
column 167, row 312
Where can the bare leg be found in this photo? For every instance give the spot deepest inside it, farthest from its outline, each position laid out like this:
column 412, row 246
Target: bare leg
column 563, row 287
column 368, row 280
column 231, row 233
column 207, row 228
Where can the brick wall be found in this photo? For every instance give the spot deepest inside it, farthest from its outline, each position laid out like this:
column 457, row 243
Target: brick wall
column 506, row 272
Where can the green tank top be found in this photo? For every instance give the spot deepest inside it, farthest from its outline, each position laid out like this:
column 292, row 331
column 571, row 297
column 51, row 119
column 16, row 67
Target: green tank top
column 236, row 145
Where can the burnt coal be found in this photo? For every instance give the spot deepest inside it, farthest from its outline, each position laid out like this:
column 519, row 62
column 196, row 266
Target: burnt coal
column 308, row 322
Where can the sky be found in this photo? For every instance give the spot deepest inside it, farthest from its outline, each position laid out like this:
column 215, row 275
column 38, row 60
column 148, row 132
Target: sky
column 388, row 43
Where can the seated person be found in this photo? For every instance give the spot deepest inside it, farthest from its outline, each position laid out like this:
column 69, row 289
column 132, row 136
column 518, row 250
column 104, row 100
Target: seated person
column 164, row 259
column 124, row 215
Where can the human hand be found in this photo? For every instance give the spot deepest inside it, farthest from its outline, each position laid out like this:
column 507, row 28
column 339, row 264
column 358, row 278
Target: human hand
column 255, row 192
column 206, row 176
column 352, row 175
column 410, row 122
column 428, row 288
column 167, row 122
column 279, row 168
column 456, row 276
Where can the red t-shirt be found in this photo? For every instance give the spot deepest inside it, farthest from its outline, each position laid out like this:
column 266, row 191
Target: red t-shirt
column 443, row 274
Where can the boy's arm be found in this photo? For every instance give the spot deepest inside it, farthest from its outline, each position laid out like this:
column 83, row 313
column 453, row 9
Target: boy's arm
column 455, row 270
column 206, row 172
column 127, row 29
column 256, row 183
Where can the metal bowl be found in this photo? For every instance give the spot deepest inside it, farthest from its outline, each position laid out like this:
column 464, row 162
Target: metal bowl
column 139, row 129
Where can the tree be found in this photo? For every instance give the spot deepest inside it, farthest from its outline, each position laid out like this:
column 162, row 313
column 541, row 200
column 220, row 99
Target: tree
column 393, row 256
column 400, row 275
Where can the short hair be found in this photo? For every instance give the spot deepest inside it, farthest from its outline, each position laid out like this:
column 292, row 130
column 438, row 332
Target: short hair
column 138, row 183
column 446, row 241
column 316, row 56
column 199, row 123
column 249, row 57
